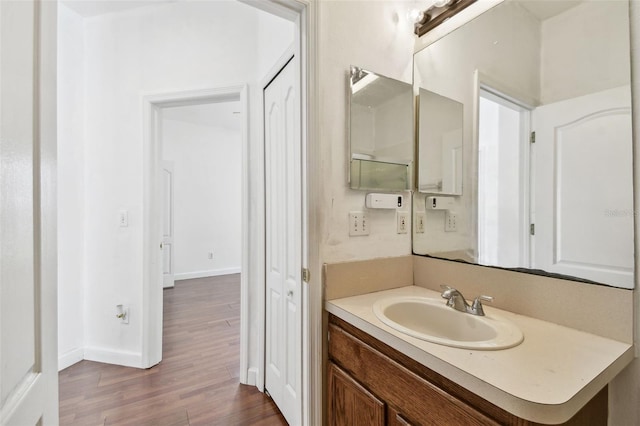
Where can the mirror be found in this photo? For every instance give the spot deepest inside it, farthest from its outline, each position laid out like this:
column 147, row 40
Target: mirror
column 440, row 139
column 380, row 132
column 544, row 89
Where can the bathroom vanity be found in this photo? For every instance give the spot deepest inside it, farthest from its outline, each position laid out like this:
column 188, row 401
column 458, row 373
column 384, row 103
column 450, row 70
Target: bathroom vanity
column 378, row 375
column 371, row 383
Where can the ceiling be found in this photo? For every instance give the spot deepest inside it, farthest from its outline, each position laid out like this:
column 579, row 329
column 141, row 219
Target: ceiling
column 219, row 114
column 88, row 8
column 545, row 9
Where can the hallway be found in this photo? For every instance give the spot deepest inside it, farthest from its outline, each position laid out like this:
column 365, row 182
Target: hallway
column 195, row 384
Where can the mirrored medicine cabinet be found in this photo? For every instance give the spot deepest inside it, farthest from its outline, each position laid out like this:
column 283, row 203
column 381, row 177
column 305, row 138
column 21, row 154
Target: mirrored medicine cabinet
column 440, row 141
column 381, row 136
column 524, row 121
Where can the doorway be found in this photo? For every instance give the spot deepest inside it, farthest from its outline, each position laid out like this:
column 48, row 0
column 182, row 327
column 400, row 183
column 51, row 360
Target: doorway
column 503, row 181
column 181, row 105
column 202, row 190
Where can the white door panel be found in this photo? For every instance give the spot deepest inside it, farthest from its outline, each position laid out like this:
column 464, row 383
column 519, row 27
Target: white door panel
column 28, row 352
column 283, row 375
column 168, row 177
column 584, row 197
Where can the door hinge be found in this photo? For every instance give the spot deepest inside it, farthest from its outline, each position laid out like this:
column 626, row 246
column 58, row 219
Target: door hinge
column 306, row 275
column 532, row 137
column 532, row 229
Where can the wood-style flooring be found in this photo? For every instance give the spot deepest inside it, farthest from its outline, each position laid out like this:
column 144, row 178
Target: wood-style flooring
column 195, row 384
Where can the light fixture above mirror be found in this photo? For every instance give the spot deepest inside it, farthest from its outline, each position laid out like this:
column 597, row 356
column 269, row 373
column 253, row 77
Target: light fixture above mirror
column 435, row 13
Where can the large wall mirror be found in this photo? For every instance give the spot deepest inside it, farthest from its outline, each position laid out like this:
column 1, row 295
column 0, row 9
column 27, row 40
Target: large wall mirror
column 546, row 163
column 381, row 136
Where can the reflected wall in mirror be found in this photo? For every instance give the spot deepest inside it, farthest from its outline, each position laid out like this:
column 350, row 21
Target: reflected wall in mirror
column 547, row 165
column 440, row 139
column 380, row 132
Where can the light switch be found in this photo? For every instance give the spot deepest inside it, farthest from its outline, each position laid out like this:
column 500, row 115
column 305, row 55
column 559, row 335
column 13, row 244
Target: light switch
column 358, row 224
column 123, row 218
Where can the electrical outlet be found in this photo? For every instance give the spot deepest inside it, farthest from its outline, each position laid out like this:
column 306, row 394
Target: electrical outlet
column 123, row 218
column 402, row 225
column 450, row 221
column 358, row 224
column 122, row 313
column 421, row 218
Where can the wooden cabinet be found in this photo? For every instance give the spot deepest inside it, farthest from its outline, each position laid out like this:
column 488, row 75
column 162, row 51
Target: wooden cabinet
column 370, row 383
column 353, row 405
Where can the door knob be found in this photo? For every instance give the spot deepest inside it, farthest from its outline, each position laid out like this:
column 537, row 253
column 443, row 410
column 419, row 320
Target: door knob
column 290, row 293
column 161, row 246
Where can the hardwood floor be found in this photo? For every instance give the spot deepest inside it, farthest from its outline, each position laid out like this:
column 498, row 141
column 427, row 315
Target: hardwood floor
column 195, row 384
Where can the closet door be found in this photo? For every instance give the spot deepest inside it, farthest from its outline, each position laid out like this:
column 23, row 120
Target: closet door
column 283, row 340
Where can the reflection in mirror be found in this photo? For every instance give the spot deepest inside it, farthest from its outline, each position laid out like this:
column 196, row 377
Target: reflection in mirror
column 440, row 136
column 380, row 131
column 547, row 164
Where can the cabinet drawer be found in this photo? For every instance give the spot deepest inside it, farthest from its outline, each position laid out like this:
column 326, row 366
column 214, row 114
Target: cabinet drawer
column 418, row 401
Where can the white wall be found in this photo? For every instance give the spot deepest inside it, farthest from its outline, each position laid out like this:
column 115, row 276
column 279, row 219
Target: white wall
column 376, row 36
column 71, row 245
column 207, row 196
column 172, row 47
column 593, row 49
column 274, row 37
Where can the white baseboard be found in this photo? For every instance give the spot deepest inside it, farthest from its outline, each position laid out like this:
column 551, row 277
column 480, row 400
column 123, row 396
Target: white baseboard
column 107, row 356
column 70, row 358
column 252, row 376
column 205, row 274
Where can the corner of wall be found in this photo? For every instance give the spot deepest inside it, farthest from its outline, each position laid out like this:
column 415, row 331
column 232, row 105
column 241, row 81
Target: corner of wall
column 70, row 358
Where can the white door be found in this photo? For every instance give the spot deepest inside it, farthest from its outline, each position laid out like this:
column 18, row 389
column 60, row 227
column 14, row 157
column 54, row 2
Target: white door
column 28, row 322
column 583, row 188
column 168, row 274
column 283, row 376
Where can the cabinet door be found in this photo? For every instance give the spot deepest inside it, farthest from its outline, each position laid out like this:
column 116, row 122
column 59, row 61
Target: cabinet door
column 350, row 404
column 394, row 418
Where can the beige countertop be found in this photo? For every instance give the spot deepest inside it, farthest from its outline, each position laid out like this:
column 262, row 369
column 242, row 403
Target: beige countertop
column 553, row 373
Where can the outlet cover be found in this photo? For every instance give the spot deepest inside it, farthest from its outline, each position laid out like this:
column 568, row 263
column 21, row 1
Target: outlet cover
column 402, row 225
column 358, row 224
column 450, row 221
column 421, row 218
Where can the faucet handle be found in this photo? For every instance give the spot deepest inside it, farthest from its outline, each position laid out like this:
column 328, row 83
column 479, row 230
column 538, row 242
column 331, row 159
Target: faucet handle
column 476, row 306
column 447, row 291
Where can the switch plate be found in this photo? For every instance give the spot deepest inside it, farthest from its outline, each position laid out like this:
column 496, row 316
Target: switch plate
column 402, row 225
column 123, row 218
column 450, row 221
column 358, row 224
column 421, row 218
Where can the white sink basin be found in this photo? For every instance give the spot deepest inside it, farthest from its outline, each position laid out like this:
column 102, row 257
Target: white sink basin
column 432, row 320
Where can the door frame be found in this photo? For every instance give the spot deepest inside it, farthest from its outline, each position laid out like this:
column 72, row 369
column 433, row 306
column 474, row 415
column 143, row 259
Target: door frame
column 525, row 202
column 486, row 84
column 152, row 309
column 304, row 14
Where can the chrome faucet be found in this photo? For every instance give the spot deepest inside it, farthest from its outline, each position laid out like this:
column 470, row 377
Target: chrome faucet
column 456, row 300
